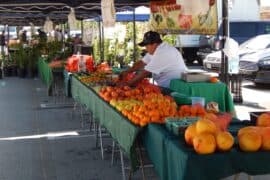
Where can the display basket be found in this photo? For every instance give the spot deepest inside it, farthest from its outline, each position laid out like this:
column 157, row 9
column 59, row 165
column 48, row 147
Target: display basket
column 178, row 125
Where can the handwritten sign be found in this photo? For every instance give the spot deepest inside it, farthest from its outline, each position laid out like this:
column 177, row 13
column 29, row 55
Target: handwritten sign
column 184, row 16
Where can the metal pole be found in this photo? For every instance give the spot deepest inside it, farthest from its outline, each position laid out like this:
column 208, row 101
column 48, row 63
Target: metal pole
column 7, row 45
column 68, row 30
column 82, row 29
column 101, row 41
column 224, row 59
column 134, row 36
column 63, row 36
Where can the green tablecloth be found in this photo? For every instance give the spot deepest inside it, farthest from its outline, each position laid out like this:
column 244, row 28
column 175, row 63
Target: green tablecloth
column 217, row 92
column 67, row 83
column 174, row 160
column 45, row 72
column 122, row 130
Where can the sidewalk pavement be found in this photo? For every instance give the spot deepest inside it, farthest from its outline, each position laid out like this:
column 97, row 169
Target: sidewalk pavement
column 255, row 98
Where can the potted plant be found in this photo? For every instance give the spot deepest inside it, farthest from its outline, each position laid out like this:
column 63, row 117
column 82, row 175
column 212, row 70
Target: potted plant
column 33, row 54
column 21, row 57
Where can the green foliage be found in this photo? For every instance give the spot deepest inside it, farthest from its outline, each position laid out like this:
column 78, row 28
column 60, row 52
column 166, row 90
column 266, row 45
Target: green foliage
column 54, row 48
column 20, row 56
column 97, row 55
column 169, row 38
column 116, row 52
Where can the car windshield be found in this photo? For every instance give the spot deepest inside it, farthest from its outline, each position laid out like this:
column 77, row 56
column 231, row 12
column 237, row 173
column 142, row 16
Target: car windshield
column 256, row 43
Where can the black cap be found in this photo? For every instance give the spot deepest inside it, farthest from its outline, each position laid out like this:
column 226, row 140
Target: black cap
column 150, row 37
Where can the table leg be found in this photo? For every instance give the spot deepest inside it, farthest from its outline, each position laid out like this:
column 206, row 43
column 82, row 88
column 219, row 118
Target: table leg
column 101, row 142
column 113, row 147
column 122, row 165
column 141, row 159
column 81, row 113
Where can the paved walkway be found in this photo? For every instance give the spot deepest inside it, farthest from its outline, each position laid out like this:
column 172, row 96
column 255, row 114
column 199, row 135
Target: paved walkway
column 47, row 144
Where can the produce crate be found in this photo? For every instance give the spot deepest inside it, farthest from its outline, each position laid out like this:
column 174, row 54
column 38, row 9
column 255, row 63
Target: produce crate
column 178, row 125
column 255, row 115
column 236, row 125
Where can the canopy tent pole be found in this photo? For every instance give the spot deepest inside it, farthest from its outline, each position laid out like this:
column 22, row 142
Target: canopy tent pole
column 82, row 33
column 134, row 37
column 103, row 42
column 63, row 36
column 7, row 46
column 68, row 30
column 224, row 59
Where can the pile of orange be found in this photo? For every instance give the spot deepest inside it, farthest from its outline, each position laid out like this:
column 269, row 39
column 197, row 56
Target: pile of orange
column 119, row 93
column 154, row 109
column 196, row 110
column 94, row 77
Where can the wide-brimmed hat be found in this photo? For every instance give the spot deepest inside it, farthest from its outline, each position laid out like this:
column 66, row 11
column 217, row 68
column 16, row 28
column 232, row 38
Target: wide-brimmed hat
column 150, row 37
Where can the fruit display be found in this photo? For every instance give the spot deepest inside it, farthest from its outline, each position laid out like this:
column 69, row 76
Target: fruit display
column 154, row 109
column 196, row 110
column 124, row 105
column 263, row 120
column 209, row 134
column 141, row 105
column 95, row 78
column 72, row 63
column 119, row 93
column 255, row 138
column 250, row 139
column 103, row 67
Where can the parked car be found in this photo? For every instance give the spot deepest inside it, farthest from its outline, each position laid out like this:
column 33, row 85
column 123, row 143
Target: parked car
column 254, row 61
column 190, row 45
column 213, row 45
column 256, row 66
column 237, row 32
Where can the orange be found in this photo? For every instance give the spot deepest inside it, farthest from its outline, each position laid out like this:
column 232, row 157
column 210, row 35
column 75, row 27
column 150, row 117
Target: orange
column 214, row 80
column 142, row 123
column 263, row 120
column 190, row 133
column 250, row 141
column 224, row 140
column 204, row 143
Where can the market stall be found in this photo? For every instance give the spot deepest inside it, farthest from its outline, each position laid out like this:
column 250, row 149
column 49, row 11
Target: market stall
column 171, row 156
column 51, row 76
column 45, row 73
column 217, row 92
column 121, row 130
column 175, row 160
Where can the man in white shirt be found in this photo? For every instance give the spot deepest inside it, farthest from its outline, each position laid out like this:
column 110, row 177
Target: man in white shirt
column 164, row 61
column 58, row 35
